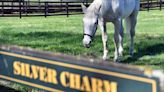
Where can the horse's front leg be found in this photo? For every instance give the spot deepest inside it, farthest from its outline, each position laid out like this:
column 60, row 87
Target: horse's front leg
column 118, row 39
column 102, row 25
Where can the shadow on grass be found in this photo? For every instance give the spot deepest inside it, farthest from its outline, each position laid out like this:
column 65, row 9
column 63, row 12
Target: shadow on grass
column 151, row 50
column 7, row 89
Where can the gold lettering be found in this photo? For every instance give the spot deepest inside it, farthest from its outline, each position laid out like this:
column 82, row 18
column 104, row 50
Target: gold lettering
column 51, row 76
column 67, row 79
column 17, row 68
column 23, row 69
column 75, row 81
column 27, row 70
column 114, row 86
column 107, row 86
column 43, row 74
column 97, row 85
column 35, row 71
column 63, row 78
column 85, row 84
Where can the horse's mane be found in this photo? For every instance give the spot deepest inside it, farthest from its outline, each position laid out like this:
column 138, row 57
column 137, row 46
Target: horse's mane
column 93, row 8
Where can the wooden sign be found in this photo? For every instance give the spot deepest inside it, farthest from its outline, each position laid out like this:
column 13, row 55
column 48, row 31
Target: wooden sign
column 61, row 73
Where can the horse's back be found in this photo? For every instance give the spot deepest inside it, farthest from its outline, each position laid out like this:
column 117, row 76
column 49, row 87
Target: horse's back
column 129, row 7
column 119, row 8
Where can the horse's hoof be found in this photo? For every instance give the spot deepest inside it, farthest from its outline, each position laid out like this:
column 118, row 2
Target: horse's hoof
column 117, row 60
column 121, row 52
column 104, row 58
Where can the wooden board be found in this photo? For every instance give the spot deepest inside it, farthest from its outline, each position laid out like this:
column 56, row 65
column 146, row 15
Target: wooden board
column 58, row 72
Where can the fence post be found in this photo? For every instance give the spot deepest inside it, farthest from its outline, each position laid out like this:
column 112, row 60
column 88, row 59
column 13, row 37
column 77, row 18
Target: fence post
column 46, row 9
column 160, row 5
column 28, row 4
column 12, row 5
column 20, row 10
column 39, row 4
column 26, row 7
column 67, row 9
column 2, row 8
column 23, row 5
column 61, row 4
column 148, row 8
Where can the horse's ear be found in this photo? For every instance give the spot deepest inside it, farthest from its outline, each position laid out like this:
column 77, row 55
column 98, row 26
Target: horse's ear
column 84, row 8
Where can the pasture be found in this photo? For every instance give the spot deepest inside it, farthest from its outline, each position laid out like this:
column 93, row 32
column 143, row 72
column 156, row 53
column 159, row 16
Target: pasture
column 60, row 34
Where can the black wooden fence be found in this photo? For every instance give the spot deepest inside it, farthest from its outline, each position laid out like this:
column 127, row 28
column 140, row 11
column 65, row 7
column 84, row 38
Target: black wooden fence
column 151, row 4
column 46, row 8
column 36, row 8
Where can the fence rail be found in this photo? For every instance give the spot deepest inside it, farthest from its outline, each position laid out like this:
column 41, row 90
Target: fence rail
column 45, row 8
column 26, row 8
column 151, row 4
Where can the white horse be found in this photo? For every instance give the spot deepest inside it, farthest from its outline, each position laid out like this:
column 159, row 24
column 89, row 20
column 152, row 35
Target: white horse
column 102, row 11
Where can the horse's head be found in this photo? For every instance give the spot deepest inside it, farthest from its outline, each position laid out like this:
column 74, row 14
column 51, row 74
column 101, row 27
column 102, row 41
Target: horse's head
column 89, row 26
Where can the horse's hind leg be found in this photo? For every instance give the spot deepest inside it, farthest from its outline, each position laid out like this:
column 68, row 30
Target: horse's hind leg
column 118, row 39
column 130, row 28
column 121, row 34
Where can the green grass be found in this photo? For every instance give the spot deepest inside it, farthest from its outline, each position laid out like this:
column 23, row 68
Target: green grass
column 64, row 35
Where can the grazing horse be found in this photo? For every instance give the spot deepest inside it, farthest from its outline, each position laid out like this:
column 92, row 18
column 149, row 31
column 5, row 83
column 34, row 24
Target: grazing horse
column 102, row 11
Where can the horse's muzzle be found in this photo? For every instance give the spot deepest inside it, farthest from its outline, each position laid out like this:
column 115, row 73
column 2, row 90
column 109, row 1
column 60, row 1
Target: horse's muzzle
column 87, row 45
column 87, row 41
